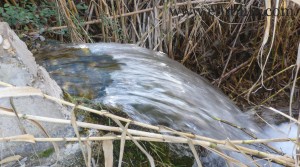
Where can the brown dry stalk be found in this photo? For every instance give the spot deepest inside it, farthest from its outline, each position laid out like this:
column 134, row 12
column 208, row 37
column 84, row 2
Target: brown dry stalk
column 104, row 113
column 166, row 138
column 10, row 159
column 121, row 15
column 101, row 113
column 75, row 36
column 236, row 69
column 194, row 139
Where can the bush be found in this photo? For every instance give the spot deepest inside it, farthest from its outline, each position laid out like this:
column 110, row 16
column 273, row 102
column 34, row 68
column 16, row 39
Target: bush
column 28, row 15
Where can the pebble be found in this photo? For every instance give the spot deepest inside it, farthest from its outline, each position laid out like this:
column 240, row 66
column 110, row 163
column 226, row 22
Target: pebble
column 6, row 44
column 1, row 39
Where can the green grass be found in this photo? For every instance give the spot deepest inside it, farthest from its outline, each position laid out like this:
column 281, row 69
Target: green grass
column 46, row 153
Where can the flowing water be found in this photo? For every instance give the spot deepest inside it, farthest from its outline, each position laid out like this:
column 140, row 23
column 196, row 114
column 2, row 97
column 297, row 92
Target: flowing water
column 148, row 86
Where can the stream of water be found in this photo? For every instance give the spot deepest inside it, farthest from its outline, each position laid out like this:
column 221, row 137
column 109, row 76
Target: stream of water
column 148, row 86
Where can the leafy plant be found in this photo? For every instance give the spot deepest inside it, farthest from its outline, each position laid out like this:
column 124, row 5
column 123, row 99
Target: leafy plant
column 29, row 14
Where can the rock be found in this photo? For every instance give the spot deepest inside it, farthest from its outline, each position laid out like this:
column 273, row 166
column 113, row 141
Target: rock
column 18, row 67
column 6, row 44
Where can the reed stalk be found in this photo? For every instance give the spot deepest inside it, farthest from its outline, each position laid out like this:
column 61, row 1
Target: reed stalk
column 187, row 138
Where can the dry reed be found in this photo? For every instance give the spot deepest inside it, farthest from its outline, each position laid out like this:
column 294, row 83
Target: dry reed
column 134, row 135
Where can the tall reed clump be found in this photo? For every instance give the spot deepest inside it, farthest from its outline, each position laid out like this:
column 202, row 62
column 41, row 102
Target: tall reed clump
column 250, row 56
column 233, row 44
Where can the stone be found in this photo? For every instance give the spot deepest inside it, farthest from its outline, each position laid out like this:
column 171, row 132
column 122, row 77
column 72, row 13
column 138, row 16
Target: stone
column 6, row 44
column 18, row 67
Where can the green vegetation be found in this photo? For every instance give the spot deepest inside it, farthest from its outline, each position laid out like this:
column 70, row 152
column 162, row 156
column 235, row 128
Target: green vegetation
column 26, row 16
column 46, row 153
column 162, row 153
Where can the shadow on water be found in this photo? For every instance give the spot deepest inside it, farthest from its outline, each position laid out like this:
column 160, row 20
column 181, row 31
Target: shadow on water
column 148, row 86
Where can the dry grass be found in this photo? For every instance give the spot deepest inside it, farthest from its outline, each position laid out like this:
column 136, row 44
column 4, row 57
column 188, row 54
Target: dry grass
column 251, row 59
column 240, row 54
column 169, row 135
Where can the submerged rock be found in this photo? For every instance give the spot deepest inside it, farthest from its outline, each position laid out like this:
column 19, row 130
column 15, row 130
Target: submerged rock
column 18, row 68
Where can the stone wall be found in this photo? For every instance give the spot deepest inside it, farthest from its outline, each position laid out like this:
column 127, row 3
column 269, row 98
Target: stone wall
column 18, row 67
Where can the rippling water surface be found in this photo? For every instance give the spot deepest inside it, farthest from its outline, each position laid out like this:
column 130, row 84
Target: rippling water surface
column 147, row 85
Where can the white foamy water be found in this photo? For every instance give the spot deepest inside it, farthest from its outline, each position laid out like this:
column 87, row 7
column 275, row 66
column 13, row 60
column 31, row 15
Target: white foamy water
column 284, row 130
column 151, row 88
column 148, row 86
